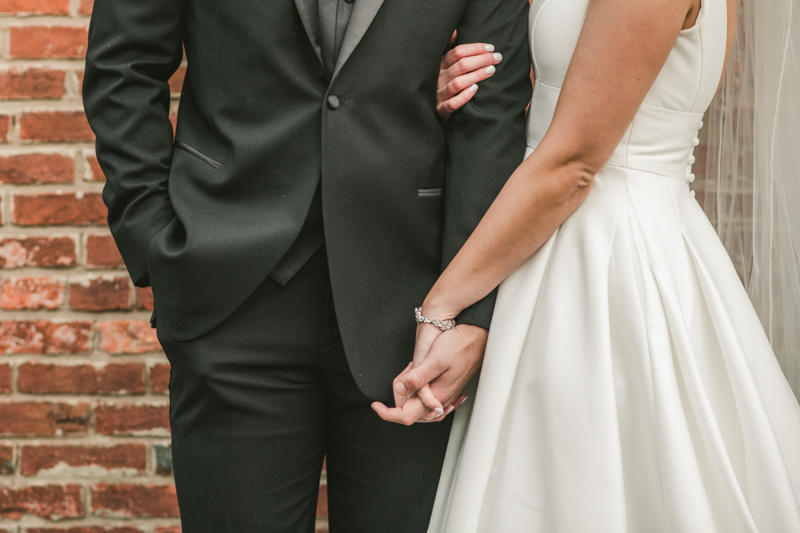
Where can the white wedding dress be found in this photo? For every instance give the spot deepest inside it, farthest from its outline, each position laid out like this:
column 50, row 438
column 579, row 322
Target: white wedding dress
column 628, row 384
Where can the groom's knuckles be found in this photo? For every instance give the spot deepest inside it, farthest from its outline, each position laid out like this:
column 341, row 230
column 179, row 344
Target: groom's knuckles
column 417, row 378
column 412, row 381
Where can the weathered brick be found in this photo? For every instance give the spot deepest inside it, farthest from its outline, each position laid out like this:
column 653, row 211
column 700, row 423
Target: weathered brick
column 132, row 419
column 44, row 337
column 33, row 42
column 100, row 294
column 169, row 529
column 322, row 501
column 79, row 461
column 102, row 252
column 26, row 169
column 128, row 336
column 50, row 251
column 176, row 81
column 54, row 502
column 85, row 7
column 5, row 128
column 94, row 172
column 144, row 298
column 29, row 292
column 55, row 126
column 35, row 7
column 159, row 378
column 86, row 529
column 163, row 459
column 49, row 209
column 6, row 460
column 99, row 378
column 129, row 500
column 5, row 378
column 43, row 419
column 16, row 84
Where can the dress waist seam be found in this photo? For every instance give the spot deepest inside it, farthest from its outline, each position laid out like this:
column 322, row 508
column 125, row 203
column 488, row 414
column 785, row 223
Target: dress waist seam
column 649, row 172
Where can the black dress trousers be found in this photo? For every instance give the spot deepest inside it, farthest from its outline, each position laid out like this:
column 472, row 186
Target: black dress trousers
column 260, row 400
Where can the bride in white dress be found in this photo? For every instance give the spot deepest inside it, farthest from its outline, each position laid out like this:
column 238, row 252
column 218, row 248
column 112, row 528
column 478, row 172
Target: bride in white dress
column 628, row 385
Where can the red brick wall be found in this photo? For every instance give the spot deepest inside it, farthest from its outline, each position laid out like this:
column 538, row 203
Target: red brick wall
column 84, row 429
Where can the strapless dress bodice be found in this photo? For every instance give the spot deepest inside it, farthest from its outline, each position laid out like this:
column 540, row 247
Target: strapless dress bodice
column 659, row 141
column 664, row 133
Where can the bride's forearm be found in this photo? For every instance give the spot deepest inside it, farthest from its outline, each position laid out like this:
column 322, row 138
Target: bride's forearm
column 541, row 194
column 621, row 51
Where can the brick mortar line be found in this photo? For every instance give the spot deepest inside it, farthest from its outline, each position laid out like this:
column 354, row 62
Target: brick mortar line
column 146, row 396
column 21, row 107
column 61, row 273
column 19, row 481
column 77, row 360
column 93, row 521
column 10, row 229
column 75, row 273
column 100, row 441
column 37, row 480
column 44, row 63
column 147, row 399
column 55, row 228
column 91, row 357
column 47, row 20
column 75, row 315
column 65, row 149
column 90, row 520
column 50, row 188
column 149, row 396
column 78, row 269
column 67, row 102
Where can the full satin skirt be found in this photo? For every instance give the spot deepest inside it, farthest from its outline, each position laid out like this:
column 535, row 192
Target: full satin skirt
column 628, row 385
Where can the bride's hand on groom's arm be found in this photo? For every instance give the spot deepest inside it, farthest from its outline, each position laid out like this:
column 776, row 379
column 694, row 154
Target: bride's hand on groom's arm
column 440, row 376
column 462, row 68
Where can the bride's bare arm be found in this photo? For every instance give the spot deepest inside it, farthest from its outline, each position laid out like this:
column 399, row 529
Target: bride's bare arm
column 621, row 50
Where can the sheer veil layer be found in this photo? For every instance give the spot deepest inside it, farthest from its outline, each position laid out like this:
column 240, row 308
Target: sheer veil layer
column 752, row 190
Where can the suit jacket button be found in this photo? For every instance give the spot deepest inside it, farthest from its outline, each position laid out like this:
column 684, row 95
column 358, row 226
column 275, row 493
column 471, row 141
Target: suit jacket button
column 333, row 102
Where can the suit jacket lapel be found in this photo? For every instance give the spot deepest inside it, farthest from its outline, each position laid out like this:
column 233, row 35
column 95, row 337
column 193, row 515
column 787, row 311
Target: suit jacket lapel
column 309, row 14
column 364, row 12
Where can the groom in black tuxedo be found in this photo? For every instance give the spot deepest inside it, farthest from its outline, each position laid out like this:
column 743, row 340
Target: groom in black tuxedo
column 309, row 200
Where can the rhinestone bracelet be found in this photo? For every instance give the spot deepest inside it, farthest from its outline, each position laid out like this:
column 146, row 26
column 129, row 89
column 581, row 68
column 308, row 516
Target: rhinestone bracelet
column 443, row 325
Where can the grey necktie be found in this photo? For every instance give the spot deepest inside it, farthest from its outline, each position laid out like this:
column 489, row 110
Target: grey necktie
column 334, row 16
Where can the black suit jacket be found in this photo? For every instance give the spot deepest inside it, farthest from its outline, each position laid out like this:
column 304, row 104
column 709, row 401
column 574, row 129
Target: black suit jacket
column 206, row 219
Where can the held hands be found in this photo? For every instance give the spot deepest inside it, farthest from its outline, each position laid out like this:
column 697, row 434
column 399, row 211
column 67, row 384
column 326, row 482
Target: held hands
column 461, row 69
column 430, row 387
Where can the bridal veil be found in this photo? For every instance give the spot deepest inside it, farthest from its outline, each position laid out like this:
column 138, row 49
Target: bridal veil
column 752, row 191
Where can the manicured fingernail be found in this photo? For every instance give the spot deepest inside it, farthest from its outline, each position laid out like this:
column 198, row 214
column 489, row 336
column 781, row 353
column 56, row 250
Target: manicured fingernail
column 400, row 389
column 439, row 411
column 465, row 399
column 490, row 69
column 498, row 57
column 473, row 89
column 452, row 408
column 489, row 47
